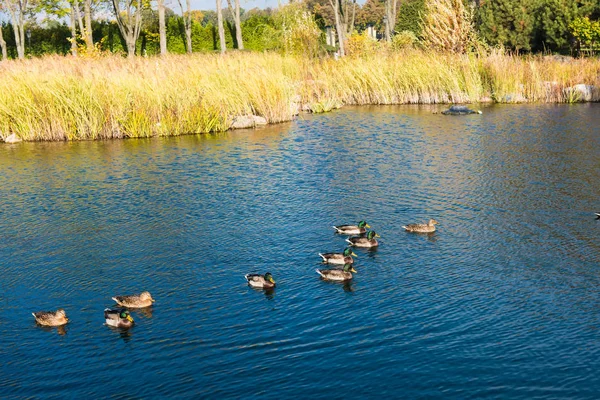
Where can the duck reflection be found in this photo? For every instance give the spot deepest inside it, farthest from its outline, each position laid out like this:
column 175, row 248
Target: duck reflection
column 268, row 292
column 144, row 312
column 61, row 330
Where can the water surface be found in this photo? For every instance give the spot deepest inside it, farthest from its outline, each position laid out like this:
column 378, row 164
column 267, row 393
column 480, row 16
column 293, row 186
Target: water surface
column 501, row 302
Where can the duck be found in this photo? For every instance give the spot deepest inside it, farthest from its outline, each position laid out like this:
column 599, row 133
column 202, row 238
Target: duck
column 339, row 275
column 119, row 318
column 141, row 300
column 51, row 318
column 597, row 215
column 352, row 229
column 422, row 228
column 265, row 281
column 369, row 241
column 339, row 258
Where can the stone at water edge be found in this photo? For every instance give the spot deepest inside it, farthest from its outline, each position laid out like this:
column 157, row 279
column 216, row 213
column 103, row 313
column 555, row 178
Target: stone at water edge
column 12, row 139
column 247, row 121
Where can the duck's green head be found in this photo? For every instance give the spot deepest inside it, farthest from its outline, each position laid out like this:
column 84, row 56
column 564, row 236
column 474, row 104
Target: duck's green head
column 348, row 268
column 124, row 314
column 363, row 224
column 372, row 235
column 269, row 277
column 348, row 252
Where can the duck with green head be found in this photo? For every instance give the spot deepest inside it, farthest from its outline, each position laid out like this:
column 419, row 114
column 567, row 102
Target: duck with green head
column 265, row 281
column 422, row 228
column 339, row 258
column 119, row 318
column 339, row 275
column 366, row 242
column 352, row 229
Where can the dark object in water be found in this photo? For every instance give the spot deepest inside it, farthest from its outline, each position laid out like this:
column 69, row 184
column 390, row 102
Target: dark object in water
column 460, row 110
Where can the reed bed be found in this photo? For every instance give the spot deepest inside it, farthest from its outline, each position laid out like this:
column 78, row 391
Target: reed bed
column 57, row 98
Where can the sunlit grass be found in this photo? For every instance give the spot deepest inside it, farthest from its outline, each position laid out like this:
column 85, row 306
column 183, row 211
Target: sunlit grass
column 56, row 98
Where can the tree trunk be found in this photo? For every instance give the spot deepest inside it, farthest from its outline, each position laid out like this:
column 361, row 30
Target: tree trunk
column 391, row 7
column 340, row 29
column 188, row 26
column 237, row 21
column 129, row 25
column 3, row 46
column 220, row 27
column 187, row 23
column 162, row 30
column 73, row 32
column 87, row 12
column 17, row 9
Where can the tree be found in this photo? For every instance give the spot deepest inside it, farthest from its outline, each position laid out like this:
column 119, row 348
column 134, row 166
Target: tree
column 586, row 32
column 162, row 30
column 509, row 23
column 129, row 22
column 187, row 23
column 391, row 7
column 236, row 20
column 409, row 16
column 555, row 16
column 17, row 10
column 371, row 14
column 220, row 27
column 344, row 12
column 3, row 45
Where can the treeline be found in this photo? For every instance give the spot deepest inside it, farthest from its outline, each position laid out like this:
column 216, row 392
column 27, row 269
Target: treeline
column 136, row 27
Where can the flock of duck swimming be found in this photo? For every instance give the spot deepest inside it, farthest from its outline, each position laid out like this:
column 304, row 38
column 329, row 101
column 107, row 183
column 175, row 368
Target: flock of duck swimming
column 359, row 237
column 364, row 239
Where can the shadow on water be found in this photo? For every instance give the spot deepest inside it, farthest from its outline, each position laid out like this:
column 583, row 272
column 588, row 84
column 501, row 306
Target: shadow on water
column 125, row 334
column 347, row 286
column 145, row 312
column 61, row 330
column 269, row 293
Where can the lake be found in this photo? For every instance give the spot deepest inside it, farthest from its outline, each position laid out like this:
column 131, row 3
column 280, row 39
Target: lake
column 501, row 302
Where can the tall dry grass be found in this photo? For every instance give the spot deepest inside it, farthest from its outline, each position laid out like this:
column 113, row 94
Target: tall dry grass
column 56, row 98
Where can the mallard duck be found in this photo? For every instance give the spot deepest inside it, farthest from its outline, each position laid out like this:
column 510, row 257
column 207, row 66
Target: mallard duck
column 337, row 274
column 119, row 318
column 422, row 228
column 369, row 241
column 51, row 318
column 135, row 301
column 339, row 258
column 352, row 229
column 265, row 281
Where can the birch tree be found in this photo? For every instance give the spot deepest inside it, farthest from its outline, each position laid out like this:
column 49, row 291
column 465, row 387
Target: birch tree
column 237, row 21
column 16, row 9
column 2, row 42
column 187, row 23
column 129, row 21
column 344, row 12
column 162, row 29
column 85, row 23
column 73, row 32
column 220, row 27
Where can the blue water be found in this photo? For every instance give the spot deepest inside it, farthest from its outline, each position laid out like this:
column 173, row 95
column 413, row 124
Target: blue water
column 501, row 302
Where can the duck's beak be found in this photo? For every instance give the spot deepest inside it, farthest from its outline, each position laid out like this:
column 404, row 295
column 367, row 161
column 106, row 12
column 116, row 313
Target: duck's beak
column 129, row 318
column 352, row 270
column 354, row 255
column 367, row 226
column 152, row 300
column 377, row 235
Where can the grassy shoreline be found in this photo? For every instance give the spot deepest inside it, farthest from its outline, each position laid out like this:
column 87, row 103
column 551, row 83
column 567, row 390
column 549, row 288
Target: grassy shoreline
column 58, row 98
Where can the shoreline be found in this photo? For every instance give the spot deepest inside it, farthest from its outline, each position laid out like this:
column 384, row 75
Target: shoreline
column 63, row 99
